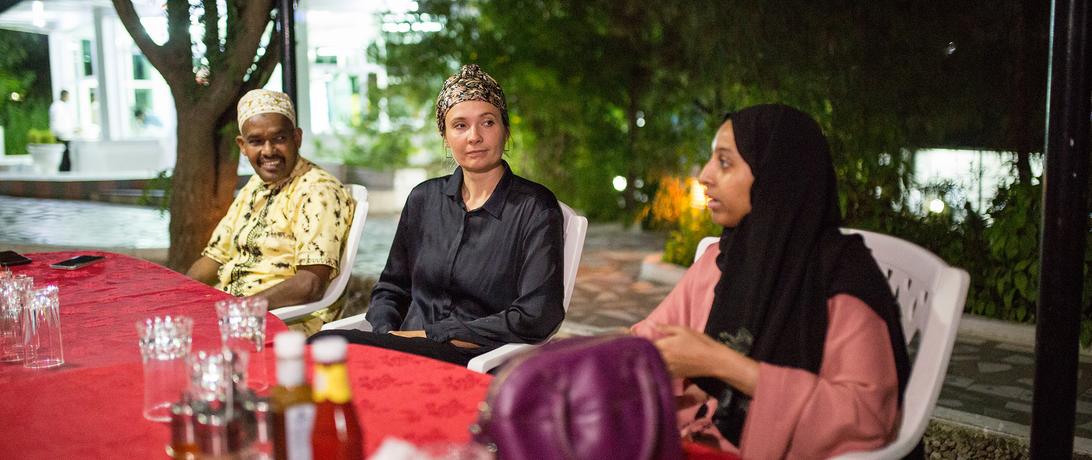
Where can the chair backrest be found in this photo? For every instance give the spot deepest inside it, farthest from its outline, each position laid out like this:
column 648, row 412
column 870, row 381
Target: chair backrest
column 930, row 294
column 348, row 257
column 704, row 244
column 576, row 229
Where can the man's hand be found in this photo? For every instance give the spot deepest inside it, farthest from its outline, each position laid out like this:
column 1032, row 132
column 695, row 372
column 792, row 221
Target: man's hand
column 409, row 334
column 307, row 285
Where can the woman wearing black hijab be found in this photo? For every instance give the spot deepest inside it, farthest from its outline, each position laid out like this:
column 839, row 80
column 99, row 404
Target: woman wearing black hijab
column 802, row 353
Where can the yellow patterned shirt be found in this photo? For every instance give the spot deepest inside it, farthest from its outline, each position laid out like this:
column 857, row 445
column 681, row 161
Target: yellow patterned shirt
column 272, row 229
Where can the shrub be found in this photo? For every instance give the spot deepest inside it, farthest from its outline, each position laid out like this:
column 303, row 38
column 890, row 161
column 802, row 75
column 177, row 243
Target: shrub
column 668, row 204
column 41, row 136
column 1000, row 251
column 672, row 208
column 694, row 224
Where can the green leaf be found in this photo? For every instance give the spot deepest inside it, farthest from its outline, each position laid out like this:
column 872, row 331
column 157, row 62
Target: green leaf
column 1020, row 313
column 1020, row 279
column 1012, row 248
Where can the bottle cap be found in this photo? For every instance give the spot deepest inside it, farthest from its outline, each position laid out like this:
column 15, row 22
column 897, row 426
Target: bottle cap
column 330, row 349
column 289, row 344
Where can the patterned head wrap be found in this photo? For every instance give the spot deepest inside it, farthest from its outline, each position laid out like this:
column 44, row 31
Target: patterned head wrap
column 470, row 84
column 259, row 101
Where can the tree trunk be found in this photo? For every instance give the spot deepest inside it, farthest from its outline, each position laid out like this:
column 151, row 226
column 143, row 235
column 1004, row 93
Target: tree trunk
column 198, row 199
column 1023, row 167
column 206, row 160
column 1020, row 129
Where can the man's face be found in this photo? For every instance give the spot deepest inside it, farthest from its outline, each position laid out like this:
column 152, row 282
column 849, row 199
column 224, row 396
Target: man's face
column 272, row 143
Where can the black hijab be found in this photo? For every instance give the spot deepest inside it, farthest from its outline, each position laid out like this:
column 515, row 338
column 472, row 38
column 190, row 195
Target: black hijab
column 786, row 258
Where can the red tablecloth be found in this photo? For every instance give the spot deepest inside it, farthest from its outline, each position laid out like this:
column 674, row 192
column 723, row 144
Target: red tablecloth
column 102, row 302
column 91, row 406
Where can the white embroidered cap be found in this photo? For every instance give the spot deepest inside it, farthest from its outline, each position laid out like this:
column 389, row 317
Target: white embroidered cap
column 259, row 101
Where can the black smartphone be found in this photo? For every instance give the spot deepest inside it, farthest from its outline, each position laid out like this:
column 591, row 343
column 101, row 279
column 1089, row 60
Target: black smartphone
column 76, row 262
column 9, row 258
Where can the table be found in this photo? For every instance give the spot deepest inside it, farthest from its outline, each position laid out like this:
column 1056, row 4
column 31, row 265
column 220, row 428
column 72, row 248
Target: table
column 91, row 406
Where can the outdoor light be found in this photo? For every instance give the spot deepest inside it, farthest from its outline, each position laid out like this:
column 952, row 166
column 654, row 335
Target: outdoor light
column 619, row 183
column 936, row 206
column 16, row 97
column 698, row 200
column 640, row 119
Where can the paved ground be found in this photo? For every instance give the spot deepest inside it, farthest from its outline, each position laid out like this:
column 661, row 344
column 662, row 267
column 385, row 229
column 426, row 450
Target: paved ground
column 989, row 383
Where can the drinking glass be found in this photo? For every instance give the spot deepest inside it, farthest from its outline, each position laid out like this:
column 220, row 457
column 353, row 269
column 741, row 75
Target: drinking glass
column 14, row 294
column 164, row 345
column 42, row 329
column 242, row 328
column 214, row 375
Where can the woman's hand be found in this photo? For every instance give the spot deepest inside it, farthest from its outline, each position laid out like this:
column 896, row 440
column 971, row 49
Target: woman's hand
column 464, row 344
column 421, row 334
column 689, row 353
column 686, row 352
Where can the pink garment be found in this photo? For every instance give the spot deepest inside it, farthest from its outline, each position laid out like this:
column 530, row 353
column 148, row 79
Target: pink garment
column 851, row 405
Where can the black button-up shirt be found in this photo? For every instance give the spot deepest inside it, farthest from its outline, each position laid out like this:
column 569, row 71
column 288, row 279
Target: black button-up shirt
column 488, row 276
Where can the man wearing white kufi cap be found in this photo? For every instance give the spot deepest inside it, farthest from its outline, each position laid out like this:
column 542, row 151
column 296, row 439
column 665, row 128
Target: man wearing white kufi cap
column 282, row 236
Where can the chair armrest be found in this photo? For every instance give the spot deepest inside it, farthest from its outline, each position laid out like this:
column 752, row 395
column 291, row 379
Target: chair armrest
column 356, row 322
column 294, row 312
column 486, row 362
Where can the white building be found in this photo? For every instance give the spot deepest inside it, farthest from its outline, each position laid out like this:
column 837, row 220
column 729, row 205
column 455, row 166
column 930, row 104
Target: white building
column 94, row 58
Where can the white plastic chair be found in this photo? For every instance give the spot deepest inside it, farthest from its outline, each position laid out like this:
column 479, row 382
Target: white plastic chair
column 348, row 256
column 930, row 294
column 576, row 228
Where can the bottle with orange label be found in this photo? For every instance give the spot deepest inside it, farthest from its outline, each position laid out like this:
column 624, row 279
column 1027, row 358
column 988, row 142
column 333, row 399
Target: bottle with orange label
column 336, row 434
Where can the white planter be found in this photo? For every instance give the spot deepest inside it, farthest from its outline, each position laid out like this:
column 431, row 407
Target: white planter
column 47, row 157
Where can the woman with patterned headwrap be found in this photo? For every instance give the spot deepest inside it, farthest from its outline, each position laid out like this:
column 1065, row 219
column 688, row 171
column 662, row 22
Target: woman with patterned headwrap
column 802, row 354
column 476, row 259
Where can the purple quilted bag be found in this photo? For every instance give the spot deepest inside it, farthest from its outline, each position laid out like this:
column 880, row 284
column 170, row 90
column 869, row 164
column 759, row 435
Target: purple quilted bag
column 606, row 397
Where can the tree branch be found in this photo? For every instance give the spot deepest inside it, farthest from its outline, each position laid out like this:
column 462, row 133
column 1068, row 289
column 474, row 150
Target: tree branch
column 702, row 107
column 257, row 79
column 239, row 51
column 157, row 55
column 265, row 65
column 212, row 32
column 178, row 33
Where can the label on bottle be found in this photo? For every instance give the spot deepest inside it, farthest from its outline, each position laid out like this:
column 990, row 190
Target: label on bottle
column 332, row 384
column 298, row 422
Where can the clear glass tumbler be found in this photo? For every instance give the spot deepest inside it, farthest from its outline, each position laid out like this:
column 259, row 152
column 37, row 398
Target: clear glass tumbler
column 41, row 321
column 15, row 293
column 165, row 343
column 215, row 375
column 242, row 328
